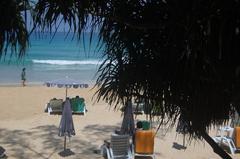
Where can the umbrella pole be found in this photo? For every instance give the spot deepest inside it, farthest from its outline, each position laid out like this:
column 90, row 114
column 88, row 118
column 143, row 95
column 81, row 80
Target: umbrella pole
column 66, row 92
column 64, row 142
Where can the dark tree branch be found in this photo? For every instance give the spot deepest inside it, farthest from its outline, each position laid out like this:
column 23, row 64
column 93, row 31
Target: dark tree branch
column 216, row 148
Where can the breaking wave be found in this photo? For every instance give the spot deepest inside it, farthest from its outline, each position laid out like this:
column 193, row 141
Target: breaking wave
column 68, row 62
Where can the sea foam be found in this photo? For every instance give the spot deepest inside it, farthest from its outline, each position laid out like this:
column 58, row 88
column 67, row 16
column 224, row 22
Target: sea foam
column 68, row 62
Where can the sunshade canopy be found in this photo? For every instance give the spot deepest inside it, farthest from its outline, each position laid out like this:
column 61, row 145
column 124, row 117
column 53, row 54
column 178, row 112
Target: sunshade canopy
column 66, row 82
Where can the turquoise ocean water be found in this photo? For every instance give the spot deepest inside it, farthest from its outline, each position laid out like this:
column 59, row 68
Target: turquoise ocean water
column 50, row 58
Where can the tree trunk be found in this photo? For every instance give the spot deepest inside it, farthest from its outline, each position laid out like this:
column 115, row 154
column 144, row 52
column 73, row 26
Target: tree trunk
column 216, row 148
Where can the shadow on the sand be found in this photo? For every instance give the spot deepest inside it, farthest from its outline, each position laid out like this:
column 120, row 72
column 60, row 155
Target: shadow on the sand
column 16, row 140
column 51, row 141
column 66, row 153
column 96, row 132
column 101, row 130
column 22, row 144
column 178, row 146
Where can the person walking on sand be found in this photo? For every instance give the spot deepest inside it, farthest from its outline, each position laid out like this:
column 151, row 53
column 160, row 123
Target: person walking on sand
column 23, row 77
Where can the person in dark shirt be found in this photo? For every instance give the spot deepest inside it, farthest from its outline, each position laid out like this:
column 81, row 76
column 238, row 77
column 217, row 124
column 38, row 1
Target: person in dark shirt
column 23, row 77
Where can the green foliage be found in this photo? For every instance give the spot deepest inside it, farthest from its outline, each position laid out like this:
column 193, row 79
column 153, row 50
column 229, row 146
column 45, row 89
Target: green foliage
column 13, row 32
column 183, row 53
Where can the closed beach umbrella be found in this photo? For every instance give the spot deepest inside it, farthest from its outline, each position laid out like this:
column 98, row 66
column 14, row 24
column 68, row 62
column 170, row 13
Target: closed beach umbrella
column 128, row 120
column 66, row 127
column 66, row 83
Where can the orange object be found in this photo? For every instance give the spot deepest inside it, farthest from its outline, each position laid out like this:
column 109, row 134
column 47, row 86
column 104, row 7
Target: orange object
column 144, row 141
column 237, row 137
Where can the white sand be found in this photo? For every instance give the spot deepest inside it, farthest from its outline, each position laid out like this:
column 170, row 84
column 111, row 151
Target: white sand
column 27, row 132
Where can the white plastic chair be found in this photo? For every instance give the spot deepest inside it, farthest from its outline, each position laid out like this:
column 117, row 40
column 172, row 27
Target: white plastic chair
column 119, row 147
column 225, row 137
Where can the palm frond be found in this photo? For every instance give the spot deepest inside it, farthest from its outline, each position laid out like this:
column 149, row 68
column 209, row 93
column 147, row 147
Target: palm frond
column 13, row 32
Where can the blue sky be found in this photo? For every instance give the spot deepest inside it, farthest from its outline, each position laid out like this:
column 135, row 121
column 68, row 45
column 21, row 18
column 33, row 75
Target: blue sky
column 63, row 27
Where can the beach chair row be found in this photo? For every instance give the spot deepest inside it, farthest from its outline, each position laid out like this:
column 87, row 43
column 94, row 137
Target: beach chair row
column 141, row 143
column 228, row 137
column 123, row 146
column 142, row 108
column 55, row 106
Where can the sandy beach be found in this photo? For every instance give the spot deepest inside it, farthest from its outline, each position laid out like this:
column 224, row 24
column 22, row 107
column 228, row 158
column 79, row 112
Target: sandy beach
column 27, row 132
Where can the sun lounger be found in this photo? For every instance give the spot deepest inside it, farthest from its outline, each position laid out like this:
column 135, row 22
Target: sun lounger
column 55, row 106
column 224, row 137
column 144, row 143
column 78, row 105
column 138, row 108
column 119, row 147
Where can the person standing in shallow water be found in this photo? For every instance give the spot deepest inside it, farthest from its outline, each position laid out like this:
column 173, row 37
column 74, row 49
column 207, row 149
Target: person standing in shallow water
column 23, row 77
